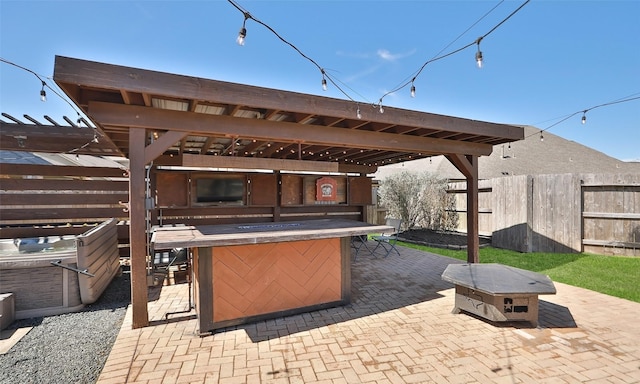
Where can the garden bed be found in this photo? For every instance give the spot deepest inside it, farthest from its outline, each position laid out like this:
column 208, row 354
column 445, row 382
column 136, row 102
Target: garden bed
column 439, row 239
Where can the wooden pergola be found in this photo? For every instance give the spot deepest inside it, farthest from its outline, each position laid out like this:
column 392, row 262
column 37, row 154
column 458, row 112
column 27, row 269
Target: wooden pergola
column 169, row 119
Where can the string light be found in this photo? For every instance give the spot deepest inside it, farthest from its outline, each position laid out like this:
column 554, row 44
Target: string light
column 358, row 114
column 584, row 112
column 43, row 93
column 479, row 54
column 247, row 15
column 477, row 42
column 324, row 80
column 541, row 137
column 243, row 31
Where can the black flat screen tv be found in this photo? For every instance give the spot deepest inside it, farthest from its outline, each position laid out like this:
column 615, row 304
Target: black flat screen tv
column 219, row 190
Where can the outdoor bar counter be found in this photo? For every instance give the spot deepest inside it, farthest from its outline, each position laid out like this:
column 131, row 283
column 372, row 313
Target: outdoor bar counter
column 250, row 272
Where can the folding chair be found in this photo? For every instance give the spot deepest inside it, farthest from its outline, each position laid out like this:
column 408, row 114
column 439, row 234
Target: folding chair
column 388, row 241
column 357, row 242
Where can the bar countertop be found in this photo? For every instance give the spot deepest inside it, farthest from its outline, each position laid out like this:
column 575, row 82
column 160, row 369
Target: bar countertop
column 169, row 237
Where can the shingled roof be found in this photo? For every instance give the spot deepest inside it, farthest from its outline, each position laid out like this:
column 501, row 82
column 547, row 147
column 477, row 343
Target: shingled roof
column 530, row 156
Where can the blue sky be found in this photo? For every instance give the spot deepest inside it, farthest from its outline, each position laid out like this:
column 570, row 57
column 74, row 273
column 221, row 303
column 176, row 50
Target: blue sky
column 548, row 61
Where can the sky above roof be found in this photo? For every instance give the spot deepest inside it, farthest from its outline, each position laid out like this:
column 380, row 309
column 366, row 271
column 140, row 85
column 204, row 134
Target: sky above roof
column 542, row 65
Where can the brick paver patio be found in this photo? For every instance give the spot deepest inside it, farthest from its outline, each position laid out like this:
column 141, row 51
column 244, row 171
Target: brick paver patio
column 398, row 329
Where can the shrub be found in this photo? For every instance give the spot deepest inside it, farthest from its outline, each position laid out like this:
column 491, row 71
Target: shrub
column 419, row 199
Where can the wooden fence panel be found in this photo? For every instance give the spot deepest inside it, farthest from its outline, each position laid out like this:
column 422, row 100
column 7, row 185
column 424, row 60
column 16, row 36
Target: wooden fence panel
column 51, row 200
column 611, row 214
column 557, row 202
column 511, row 213
column 593, row 213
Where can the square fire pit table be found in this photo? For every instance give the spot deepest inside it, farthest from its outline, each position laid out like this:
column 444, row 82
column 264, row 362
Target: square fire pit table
column 498, row 292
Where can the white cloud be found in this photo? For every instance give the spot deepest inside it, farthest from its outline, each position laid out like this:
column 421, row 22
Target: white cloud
column 388, row 56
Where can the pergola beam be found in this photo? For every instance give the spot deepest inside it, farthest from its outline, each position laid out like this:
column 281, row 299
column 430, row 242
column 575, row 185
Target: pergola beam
column 69, row 72
column 118, row 115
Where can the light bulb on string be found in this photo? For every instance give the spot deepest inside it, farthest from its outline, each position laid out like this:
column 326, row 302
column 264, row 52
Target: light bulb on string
column 584, row 117
column 541, row 137
column 324, row 81
column 479, row 54
column 380, row 108
column 241, row 35
column 358, row 114
column 413, row 89
column 243, row 31
column 43, row 93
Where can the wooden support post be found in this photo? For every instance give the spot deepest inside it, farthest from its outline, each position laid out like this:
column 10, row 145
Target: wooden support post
column 468, row 165
column 473, row 241
column 137, row 228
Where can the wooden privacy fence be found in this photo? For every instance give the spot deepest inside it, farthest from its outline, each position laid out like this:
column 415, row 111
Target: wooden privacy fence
column 48, row 200
column 593, row 213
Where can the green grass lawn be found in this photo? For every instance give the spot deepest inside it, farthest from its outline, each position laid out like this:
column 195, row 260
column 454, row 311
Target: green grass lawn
column 612, row 275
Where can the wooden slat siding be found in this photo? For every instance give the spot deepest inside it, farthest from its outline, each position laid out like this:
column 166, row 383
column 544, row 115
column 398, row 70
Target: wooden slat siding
column 228, row 220
column 224, row 215
column 69, row 205
column 213, row 212
column 30, row 231
column 321, row 208
column 55, row 215
column 7, row 200
column 63, row 185
column 251, row 280
column 296, row 217
column 59, row 170
column 97, row 251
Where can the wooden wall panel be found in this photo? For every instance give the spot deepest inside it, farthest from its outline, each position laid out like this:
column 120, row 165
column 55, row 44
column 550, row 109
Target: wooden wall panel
column 172, row 189
column 360, row 191
column 291, row 190
column 257, row 279
column 264, row 189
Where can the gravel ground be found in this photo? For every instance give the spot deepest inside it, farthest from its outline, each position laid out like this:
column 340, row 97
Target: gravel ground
column 69, row 348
